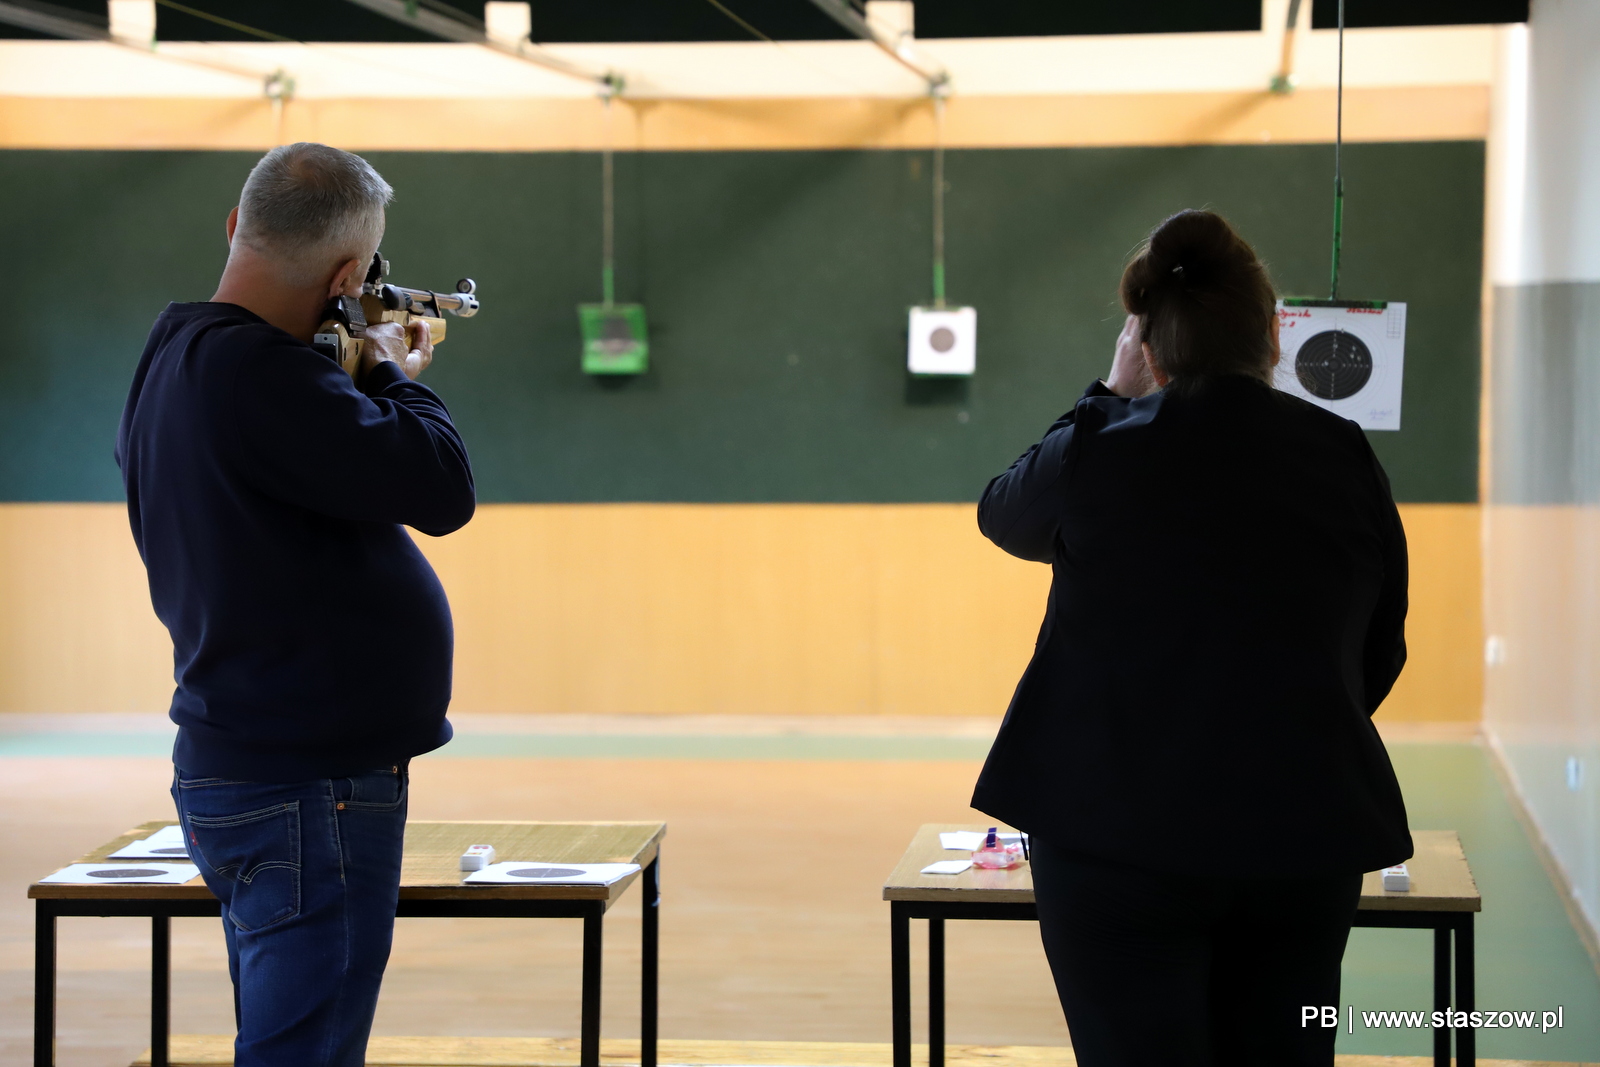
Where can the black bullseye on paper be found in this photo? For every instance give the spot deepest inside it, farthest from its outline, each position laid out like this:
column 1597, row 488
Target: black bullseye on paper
column 127, row 872
column 544, row 872
column 1333, row 365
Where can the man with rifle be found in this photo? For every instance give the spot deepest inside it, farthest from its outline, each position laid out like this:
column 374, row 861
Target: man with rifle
column 268, row 489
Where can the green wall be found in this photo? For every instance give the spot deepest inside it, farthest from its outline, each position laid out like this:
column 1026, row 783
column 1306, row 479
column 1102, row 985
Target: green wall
column 776, row 284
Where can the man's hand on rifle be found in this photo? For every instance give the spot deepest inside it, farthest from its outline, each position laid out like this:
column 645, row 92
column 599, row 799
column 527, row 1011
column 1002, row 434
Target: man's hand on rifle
column 387, row 343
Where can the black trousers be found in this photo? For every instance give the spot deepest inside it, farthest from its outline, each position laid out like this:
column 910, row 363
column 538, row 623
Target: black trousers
column 1163, row 970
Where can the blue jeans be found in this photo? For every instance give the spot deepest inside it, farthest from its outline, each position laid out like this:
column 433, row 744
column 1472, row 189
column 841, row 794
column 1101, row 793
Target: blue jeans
column 308, row 874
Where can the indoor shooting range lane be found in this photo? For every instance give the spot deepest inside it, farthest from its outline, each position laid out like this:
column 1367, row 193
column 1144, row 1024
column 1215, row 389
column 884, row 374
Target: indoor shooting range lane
column 773, row 927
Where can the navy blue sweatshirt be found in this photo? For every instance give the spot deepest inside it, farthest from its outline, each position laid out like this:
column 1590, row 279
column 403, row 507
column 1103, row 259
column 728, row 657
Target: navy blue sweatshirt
column 267, row 494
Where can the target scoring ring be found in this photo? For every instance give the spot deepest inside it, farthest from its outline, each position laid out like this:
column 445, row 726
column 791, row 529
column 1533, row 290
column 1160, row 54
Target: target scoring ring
column 1333, row 365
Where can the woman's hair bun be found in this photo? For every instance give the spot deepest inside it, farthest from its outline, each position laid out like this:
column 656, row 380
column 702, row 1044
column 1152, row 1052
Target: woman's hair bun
column 1204, row 297
column 1190, row 249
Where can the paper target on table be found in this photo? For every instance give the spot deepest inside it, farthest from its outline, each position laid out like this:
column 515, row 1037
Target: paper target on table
column 1348, row 359
column 537, row 872
column 165, row 844
column 942, row 341
column 108, row 872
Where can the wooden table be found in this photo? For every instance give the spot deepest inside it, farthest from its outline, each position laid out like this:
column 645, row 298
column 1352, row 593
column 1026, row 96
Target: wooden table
column 1443, row 898
column 430, row 886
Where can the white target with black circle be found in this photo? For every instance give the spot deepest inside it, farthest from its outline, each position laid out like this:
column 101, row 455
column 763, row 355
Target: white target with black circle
column 540, row 872
column 111, row 872
column 1350, row 360
column 942, row 341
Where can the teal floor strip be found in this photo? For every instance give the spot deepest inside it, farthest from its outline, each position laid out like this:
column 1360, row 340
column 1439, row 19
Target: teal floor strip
column 1529, row 957
column 76, row 743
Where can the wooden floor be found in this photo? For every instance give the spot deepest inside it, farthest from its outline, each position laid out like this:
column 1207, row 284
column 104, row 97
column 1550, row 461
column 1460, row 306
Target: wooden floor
column 217, row 1051
column 773, row 926
column 774, row 936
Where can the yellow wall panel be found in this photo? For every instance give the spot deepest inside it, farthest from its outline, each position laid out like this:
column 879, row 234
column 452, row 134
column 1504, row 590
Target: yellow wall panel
column 1401, row 113
column 1443, row 679
column 793, row 609
column 76, row 629
column 899, row 609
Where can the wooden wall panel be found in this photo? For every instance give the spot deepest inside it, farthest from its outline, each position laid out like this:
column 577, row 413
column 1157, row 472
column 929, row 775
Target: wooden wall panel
column 1443, row 679
column 1401, row 113
column 843, row 609
column 76, row 629
column 792, row 609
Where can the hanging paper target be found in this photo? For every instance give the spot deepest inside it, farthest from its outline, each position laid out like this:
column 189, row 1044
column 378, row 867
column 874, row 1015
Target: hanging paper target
column 1346, row 356
column 615, row 338
column 942, row 342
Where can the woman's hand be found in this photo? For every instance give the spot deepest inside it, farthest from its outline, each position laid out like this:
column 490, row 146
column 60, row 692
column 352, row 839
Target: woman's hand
column 1130, row 372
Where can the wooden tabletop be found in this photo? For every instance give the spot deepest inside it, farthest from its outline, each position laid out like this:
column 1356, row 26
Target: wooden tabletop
column 1440, row 877
column 429, row 865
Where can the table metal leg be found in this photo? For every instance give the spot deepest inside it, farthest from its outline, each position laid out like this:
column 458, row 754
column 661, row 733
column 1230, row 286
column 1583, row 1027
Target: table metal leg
column 650, row 968
column 160, row 988
column 1441, row 994
column 44, row 985
column 900, row 981
column 1466, row 992
column 935, row 993
column 589, row 1028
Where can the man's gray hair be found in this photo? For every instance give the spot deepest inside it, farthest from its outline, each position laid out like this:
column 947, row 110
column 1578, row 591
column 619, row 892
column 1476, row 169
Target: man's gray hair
column 311, row 207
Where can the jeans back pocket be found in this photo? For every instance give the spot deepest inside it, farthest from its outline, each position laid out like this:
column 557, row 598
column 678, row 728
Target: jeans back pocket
column 258, row 852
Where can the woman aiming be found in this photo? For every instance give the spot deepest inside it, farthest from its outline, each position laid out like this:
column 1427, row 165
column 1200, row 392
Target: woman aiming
column 1191, row 747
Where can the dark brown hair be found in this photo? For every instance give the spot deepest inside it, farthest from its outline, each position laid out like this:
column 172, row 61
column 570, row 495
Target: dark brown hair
column 1204, row 300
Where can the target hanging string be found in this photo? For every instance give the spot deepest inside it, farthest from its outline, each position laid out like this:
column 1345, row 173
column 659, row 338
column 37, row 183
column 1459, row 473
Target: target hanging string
column 1338, row 173
column 608, row 213
column 938, row 200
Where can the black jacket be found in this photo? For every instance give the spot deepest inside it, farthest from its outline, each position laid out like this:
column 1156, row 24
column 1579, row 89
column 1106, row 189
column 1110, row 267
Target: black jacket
column 266, row 491
column 1227, row 612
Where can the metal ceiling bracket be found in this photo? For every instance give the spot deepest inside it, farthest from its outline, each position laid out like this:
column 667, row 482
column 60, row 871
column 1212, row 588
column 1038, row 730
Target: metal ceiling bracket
column 1283, row 81
column 840, row 11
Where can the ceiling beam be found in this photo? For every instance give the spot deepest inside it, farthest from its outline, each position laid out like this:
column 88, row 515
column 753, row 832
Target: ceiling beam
column 76, row 26
column 469, row 31
column 55, row 21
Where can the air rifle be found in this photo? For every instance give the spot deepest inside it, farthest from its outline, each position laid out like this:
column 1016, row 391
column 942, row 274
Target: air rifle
column 343, row 331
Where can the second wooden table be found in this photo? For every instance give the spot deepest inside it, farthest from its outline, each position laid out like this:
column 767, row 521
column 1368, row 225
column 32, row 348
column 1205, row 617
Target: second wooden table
column 1443, row 898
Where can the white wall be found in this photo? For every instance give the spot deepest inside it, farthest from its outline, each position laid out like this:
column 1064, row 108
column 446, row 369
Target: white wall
column 1552, row 70
column 1542, row 522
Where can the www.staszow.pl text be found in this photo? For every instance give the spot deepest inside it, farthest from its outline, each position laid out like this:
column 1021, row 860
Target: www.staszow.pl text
column 1327, row 1016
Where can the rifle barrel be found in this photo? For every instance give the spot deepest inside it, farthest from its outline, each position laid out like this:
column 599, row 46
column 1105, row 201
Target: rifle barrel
column 428, row 302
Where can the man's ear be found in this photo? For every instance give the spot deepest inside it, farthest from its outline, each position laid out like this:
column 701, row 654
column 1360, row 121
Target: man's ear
column 347, row 279
column 1156, row 374
column 233, row 224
